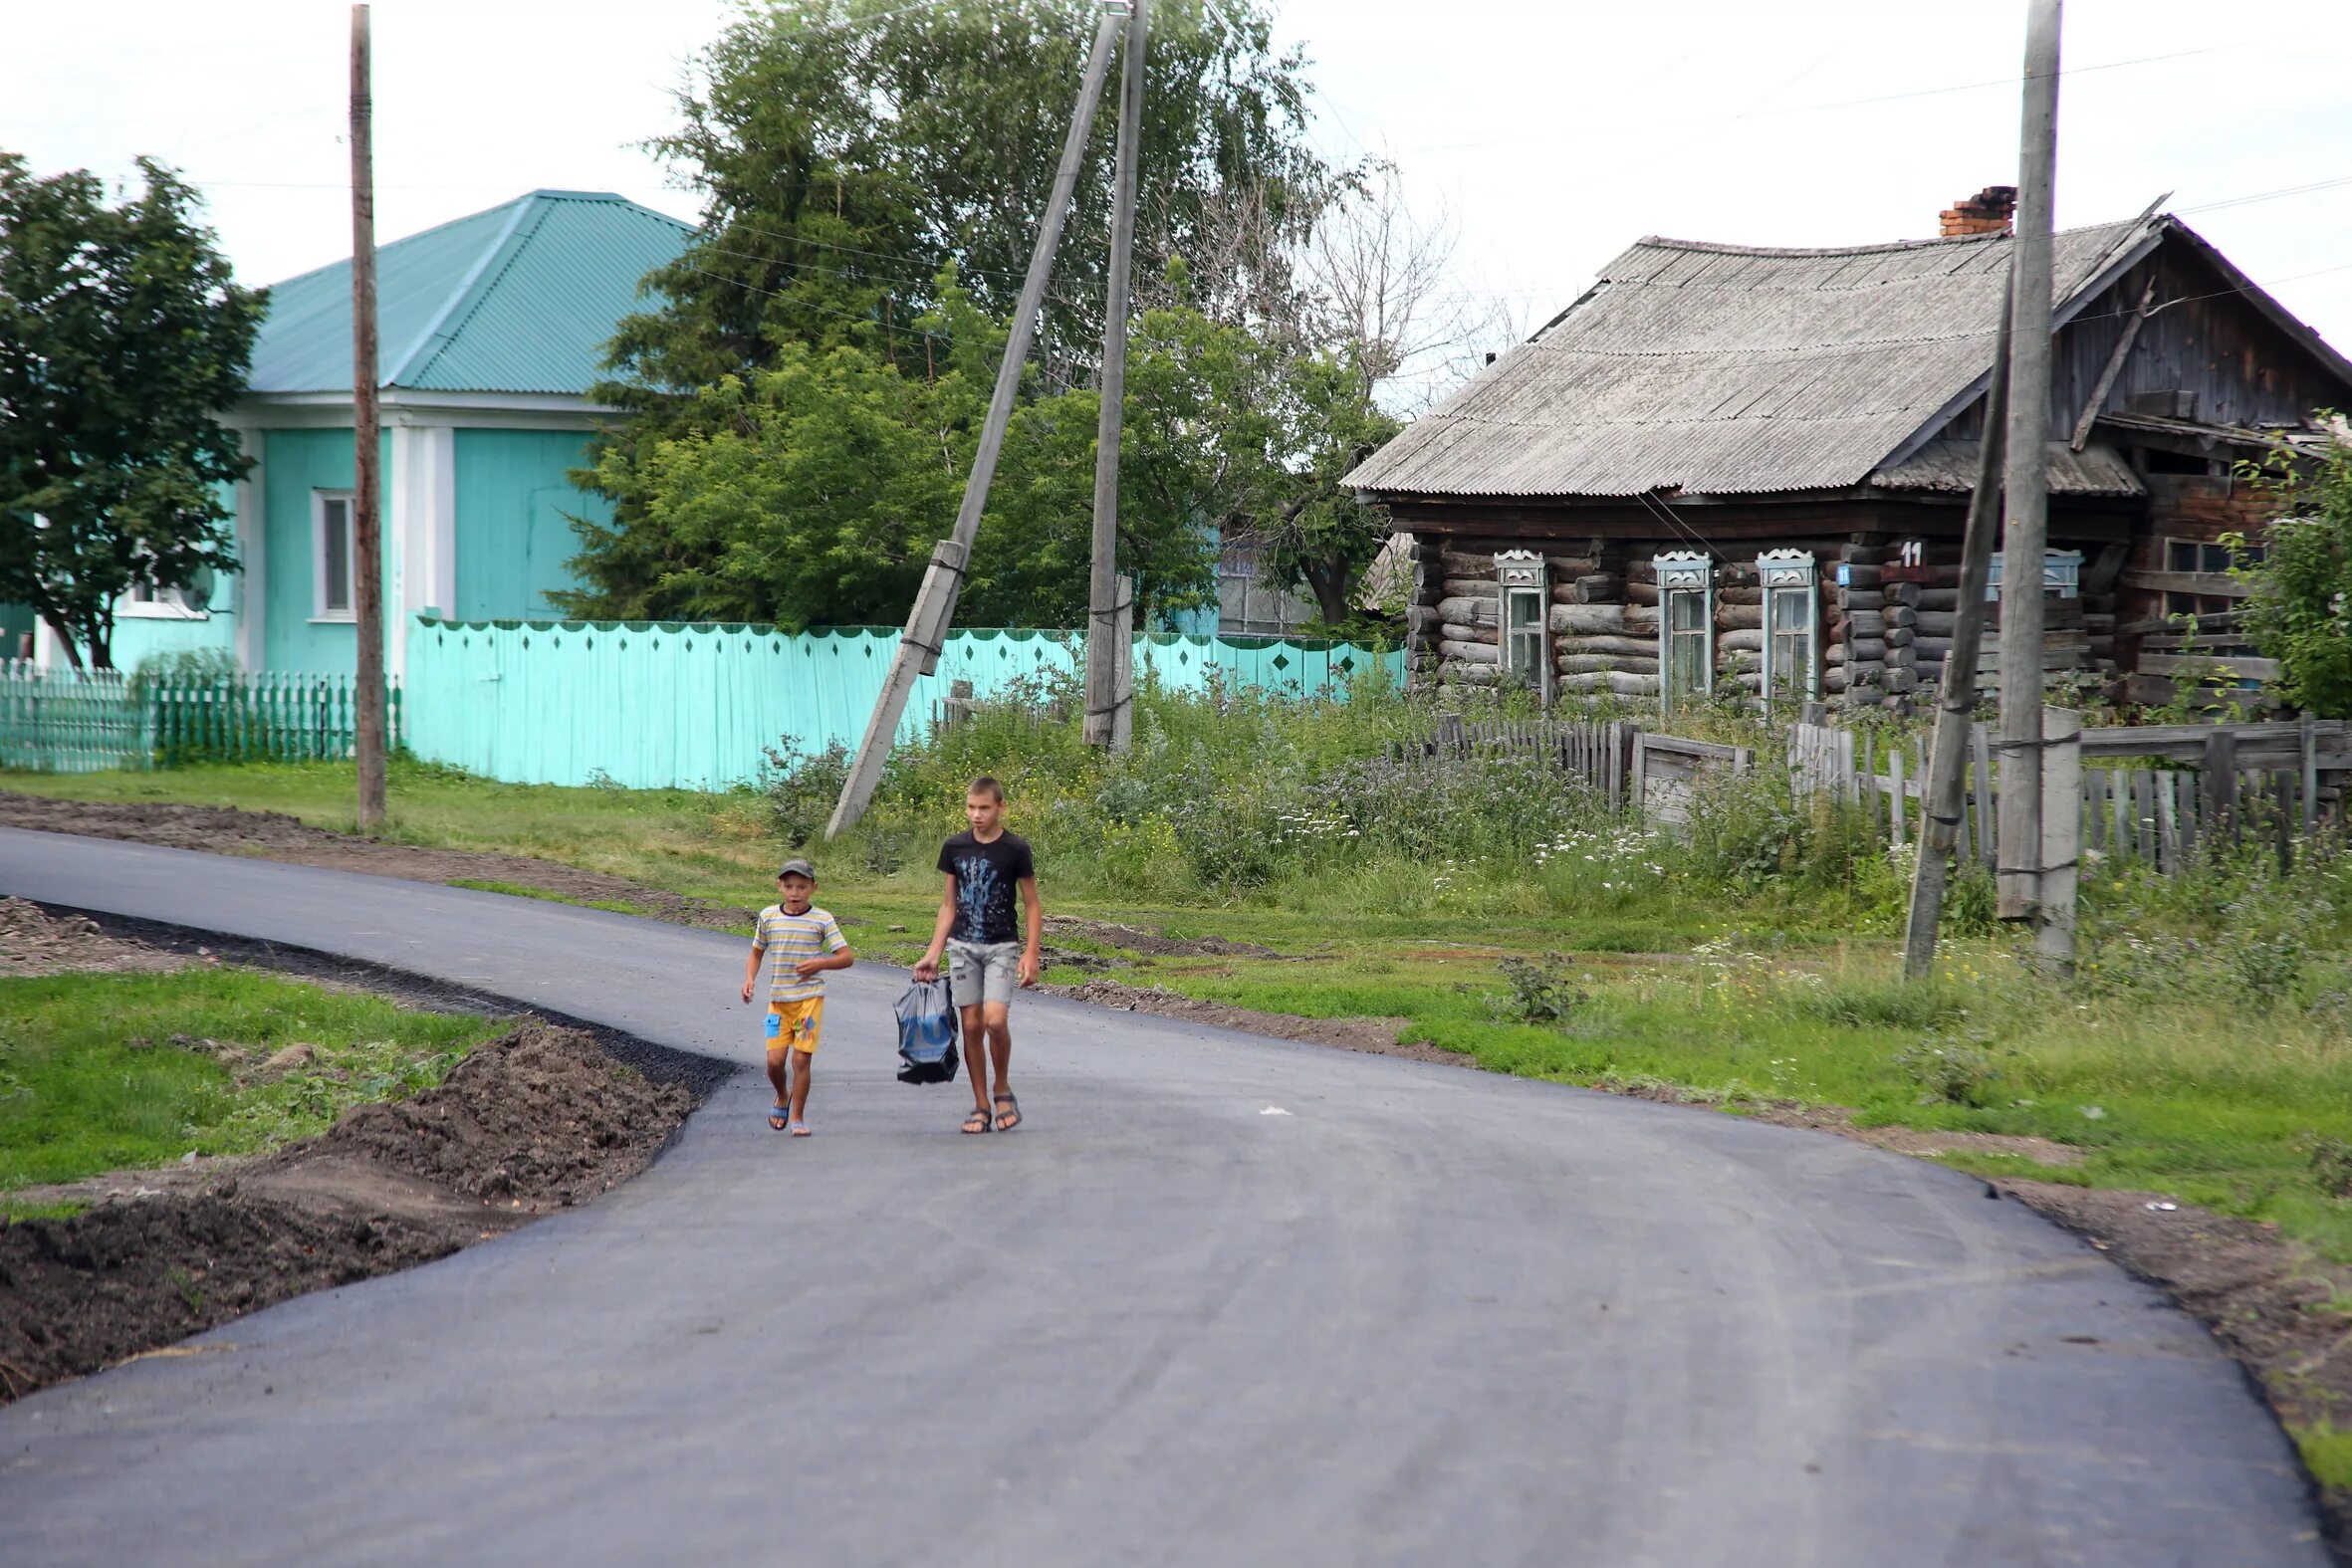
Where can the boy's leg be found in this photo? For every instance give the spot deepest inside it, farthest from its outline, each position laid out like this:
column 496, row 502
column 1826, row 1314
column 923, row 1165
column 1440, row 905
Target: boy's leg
column 802, row 1061
column 1004, row 970
column 976, row 1046
column 780, row 1074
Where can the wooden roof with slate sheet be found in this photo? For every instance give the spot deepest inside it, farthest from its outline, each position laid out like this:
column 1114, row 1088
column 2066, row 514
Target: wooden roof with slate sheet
column 1706, row 369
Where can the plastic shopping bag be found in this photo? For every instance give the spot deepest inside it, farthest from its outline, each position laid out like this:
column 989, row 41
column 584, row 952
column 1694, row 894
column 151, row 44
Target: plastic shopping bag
column 926, row 1033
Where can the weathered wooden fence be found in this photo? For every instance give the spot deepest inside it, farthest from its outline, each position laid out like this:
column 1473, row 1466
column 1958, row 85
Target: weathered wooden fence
column 64, row 722
column 2146, row 793
column 1616, row 758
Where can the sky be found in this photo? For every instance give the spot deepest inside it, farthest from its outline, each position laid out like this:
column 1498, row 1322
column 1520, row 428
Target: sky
column 1542, row 137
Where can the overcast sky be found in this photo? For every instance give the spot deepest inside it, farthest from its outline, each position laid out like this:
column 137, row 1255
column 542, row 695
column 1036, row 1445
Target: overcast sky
column 1547, row 133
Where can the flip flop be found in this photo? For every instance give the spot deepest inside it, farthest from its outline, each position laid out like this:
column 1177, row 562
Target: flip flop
column 799, row 1129
column 1006, row 1120
column 977, row 1122
column 777, row 1116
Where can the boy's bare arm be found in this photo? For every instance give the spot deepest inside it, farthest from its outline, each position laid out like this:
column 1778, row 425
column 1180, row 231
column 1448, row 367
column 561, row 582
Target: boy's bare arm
column 1029, row 955
column 927, row 966
column 840, row 958
column 750, row 969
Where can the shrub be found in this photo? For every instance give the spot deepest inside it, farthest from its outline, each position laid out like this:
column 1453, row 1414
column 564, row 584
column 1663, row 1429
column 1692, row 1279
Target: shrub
column 1538, row 993
column 1949, row 1073
column 802, row 787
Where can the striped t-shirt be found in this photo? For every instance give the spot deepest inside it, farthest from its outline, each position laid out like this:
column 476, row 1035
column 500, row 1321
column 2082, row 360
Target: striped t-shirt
column 788, row 939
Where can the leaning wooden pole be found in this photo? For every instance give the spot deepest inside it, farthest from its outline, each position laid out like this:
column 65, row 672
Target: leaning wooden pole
column 1105, row 653
column 934, row 608
column 367, row 486
column 2026, row 489
column 1943, row 793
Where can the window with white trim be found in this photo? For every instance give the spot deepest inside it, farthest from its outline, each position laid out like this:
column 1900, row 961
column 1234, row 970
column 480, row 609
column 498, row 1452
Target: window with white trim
column 2061, row 575
column 332, row 551
column 1526, row 608
column 1791, row 610
column 1686, row 626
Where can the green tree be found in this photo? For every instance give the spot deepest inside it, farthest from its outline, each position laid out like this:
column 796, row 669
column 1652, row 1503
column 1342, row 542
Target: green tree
column 811, row 492
column 2300, row 612
column 122, row 337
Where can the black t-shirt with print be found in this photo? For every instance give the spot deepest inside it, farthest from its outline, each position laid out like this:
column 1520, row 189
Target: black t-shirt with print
column 986, row 875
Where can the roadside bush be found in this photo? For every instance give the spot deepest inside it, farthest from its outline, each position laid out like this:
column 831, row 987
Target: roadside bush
column 1540, row 993
column 1949, row 1073
column 800, row 787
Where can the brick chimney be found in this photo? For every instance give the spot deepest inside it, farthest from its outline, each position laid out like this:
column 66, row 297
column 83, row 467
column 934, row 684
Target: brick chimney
column 1989, row 211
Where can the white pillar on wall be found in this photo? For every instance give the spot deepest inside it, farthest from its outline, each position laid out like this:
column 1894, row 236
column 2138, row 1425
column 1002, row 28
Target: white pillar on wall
column 424, row 531
column 253, row 559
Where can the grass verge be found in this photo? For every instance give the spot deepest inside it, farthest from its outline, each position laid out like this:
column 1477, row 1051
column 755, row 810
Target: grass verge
column 109, row 1071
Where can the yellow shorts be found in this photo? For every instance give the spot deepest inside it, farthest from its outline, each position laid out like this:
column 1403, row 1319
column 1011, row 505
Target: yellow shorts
column 795, row 1026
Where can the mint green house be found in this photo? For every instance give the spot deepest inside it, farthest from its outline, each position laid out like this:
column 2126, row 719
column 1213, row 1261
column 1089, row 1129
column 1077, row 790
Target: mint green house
column 491, row 331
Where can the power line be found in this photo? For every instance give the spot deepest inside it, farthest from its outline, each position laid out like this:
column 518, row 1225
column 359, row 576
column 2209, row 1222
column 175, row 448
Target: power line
column 1997, row 82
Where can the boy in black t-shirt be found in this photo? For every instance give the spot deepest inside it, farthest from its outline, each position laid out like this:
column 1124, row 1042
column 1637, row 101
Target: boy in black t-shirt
column 982, row 942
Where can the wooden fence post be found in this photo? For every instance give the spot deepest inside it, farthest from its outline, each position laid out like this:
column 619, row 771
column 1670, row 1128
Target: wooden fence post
column 2062, row 833
column 2219, row 794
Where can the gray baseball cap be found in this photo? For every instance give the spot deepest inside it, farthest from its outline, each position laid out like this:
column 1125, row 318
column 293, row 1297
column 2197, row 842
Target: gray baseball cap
column 795, row 866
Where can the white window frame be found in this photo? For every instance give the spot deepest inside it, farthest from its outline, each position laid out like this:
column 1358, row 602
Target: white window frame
column 146, row 602
column 1524, row 575
column 1679, row 572
column 1791, row 574
column 320, row 608
column 2061, row 572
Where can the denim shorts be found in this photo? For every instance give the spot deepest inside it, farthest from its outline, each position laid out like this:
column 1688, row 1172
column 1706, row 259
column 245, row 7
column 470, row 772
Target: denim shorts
column 980, row 972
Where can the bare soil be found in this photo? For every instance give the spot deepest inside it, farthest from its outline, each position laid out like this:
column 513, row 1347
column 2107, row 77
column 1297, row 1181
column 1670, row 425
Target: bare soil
column 1151, row 944
column 536, row 1120
column 34, row 943
column 272, row 836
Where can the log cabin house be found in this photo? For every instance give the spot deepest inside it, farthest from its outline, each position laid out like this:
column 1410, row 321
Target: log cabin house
column 1728, row 467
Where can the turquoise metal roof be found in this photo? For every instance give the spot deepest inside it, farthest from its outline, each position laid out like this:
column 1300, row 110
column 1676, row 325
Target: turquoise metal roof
column 518, row 298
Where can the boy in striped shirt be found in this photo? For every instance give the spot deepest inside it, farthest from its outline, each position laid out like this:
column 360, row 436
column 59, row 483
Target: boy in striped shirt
column 804, row 942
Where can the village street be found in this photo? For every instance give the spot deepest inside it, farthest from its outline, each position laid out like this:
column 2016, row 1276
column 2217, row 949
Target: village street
column 1221, row 1299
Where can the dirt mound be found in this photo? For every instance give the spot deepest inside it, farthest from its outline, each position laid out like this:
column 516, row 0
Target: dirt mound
column 540, row 1118
column 35, row 941
column 1378, row 1036
column 82, row 1293
column 537, row 1114
column 1150, row 944
column 272, row 836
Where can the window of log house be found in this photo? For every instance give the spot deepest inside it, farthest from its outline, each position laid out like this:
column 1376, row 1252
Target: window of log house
column 2061, row 575
column 1686, row 626
column 1792, row 609
column 1526, row 613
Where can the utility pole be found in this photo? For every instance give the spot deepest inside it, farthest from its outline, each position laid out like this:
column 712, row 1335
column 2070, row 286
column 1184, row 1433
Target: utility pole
column 1944, row 797
column 935, row 602
column 366, row 513
column 2025, row 499
column 1105, row 650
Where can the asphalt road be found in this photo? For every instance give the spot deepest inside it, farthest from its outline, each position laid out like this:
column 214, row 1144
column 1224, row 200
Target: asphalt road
column 1425, row 1315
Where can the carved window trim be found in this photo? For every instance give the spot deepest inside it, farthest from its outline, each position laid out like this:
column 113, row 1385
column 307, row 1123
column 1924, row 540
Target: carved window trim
column 1684, row 576
column 1522, row 582
column 1784, row 575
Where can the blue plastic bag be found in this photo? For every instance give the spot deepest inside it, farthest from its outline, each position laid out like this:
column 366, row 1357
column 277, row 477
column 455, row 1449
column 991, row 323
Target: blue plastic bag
column 926, row 1033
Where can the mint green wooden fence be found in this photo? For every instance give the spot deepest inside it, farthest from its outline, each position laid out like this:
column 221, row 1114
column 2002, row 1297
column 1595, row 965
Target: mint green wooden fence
column 654, row 705
column 66, row 722
column 259, row 718
column 62, row 722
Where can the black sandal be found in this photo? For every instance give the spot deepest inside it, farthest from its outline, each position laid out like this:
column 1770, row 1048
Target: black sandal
column 978, row 1122
column 1004, row 1125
